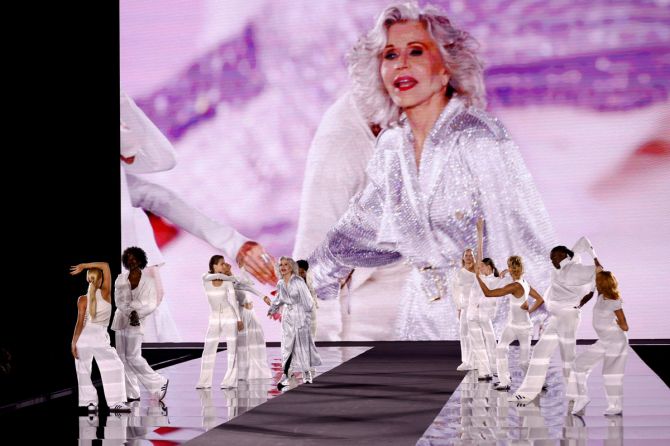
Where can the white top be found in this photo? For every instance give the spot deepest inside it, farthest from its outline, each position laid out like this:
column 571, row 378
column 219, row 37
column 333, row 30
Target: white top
column 222, row 299
column 569, row 284
column 143, row 299
column 103, row 310
column 479, row 304
column 604, row 319
column 517, row 316
column 463, row 285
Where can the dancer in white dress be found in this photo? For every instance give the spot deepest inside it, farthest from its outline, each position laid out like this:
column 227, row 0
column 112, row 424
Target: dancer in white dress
column 91, row 341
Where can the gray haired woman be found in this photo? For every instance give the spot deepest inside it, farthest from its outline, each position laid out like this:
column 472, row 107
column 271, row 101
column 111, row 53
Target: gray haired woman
column 298, row 351
column 441, row 163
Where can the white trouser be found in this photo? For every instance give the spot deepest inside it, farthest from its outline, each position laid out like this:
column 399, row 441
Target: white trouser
column 613, row 351
column 138, row 370
column 463, row 336
column 490, row 340
column 478, row 355
column 225, row 324
column 312, row 326
column 93, row 343
column 511, row 332
column 560, row 331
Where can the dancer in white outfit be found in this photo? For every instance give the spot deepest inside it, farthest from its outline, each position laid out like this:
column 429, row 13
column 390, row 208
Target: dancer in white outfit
column 252, row 359
column 480, row 311
column 91, row 341
column 465, row 278
column 224, row 319
column 253, row 362
column 610, row 324
column 297, row 346
column 569, row 282
column 303, row 271
column 135, row 298
column 518, row 322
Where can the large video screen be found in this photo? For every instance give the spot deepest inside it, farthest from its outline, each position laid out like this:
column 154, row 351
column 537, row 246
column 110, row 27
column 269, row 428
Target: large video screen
column 239, row 89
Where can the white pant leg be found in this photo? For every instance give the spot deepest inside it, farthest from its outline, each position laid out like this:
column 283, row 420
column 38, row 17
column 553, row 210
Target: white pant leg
column 243, row 338
column 151, row 380
column 567, row 332
column 508, row 335
column 83, row 366
column 614, row 364
column 229, row 328
column 490, row 341
column 110, row 365
column 132, row 384
column 209, row 352
column 524, row 334
column 583, row 365
column 464, row 338
column 312, row 326
column 479, row 357
column 539, row 361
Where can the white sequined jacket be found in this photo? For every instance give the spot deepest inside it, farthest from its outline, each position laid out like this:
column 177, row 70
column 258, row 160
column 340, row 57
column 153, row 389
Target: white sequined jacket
column 469, row 168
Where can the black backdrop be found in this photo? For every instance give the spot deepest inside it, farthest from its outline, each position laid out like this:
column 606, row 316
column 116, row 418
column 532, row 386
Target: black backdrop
column 61, row 188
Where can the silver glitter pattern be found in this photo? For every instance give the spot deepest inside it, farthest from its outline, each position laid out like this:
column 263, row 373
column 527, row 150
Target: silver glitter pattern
column 469, row 168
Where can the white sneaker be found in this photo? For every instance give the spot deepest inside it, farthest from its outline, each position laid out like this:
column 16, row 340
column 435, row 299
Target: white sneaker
column 580, row 404
column 516, row 398
column 500, row 386
column 307, row 377
column 463, row 367
column 613, row 411
column 284, row 381
column 121, row 407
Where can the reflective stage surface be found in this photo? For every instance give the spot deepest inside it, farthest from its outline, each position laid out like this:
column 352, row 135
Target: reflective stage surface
column 187, row 412
column 478, row 414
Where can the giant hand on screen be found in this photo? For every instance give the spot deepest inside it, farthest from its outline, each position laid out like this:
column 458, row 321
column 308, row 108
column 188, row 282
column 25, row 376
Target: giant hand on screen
column 253, row 258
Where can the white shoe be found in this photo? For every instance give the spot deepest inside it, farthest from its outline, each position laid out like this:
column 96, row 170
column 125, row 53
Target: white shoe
column 307, row 377
column 121, row 407
column 501, row 386
column 516, row 398
column 284, row 381
column 203, row 386
column 580, row 404
column 463, row 367
column 613, row 411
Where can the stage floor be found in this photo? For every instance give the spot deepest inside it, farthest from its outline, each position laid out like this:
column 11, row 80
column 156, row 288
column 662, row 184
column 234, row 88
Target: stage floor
column 394, row 393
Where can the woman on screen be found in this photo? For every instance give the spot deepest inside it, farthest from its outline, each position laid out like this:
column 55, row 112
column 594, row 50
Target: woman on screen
column 441, row 163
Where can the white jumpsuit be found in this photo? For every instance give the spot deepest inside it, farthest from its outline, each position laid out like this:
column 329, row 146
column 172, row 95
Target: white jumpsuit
column 611, row 348
column 464, row 282
column 223, row 317
column 93, row 343
column 518, row 327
